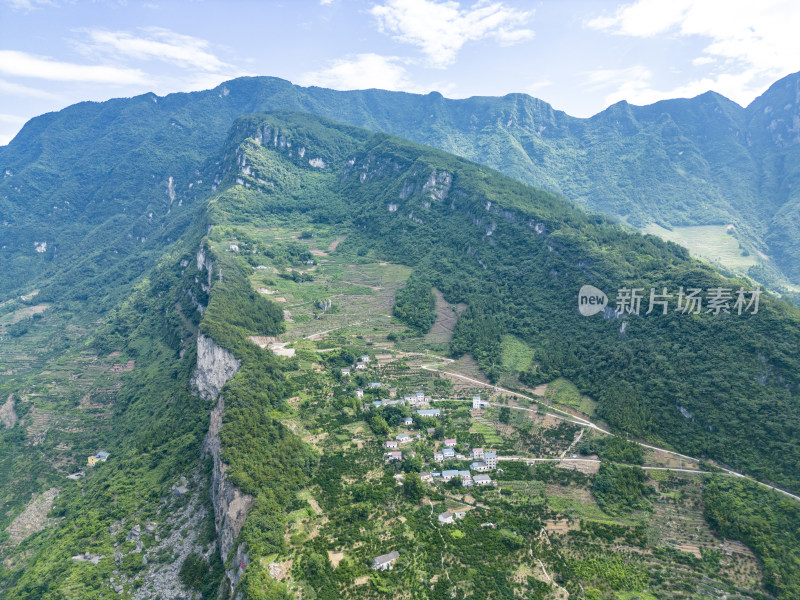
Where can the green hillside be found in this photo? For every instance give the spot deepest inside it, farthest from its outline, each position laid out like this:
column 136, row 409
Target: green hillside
column 325, row 242
column 104, row 169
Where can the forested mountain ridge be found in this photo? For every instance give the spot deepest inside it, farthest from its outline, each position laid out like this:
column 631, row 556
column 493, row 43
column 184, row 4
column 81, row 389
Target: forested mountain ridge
column 513, row 256
column 128, row 164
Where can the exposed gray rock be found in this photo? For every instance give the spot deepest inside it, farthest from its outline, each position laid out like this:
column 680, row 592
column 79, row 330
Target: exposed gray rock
column 215, row 366
column 438, row 185
column 8, row 416
column 230, row 504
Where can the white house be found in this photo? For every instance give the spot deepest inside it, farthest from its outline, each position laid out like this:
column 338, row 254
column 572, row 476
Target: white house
column 450, row 443
column 438, row 457
column 482, row 480
column 490, row 458
column 446, row 517
column 345, row 372
column 476, row 453
column 449, row 474
column 480, row 467
column 359, row 393
column 408, row 421
column 425, row 476
column 390, row 444
column 365, row 358
column 385, row 561
column 448, row 453
column 403, row 438
column 429, row 412
column 393, row 456
column 360, row 366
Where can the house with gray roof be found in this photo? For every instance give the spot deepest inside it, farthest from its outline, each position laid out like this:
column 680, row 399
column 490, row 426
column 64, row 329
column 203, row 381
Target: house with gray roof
column 385, row 561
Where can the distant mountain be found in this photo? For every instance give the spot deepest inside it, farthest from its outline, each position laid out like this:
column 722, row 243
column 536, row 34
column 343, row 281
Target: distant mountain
column 149, row 226
column 130, row 166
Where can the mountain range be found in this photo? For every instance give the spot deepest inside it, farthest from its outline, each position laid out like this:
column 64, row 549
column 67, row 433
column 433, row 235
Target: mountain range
column 701, row 161
column 189, row 281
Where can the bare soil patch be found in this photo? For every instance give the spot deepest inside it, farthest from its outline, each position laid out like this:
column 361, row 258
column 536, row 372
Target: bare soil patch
column 446, row 316
column 33, row 518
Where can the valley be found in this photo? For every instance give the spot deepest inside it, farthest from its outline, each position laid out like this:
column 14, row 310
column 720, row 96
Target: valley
column 345, row 329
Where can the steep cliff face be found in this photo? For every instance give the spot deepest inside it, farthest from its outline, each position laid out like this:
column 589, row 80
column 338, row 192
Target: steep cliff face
column 215, row 366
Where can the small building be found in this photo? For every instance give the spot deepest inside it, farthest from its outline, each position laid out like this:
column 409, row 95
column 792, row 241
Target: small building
column 449, row 474
column 446, row 517
column 429, row 412
column 394, row 456
column 365, row 358
column 345, row 372
column 392, row 392
column 359, row 393
column 477, row 403
column 465, row 475
column 476, row 454
column 403, row 438
column 490, row 458
column 375, row 385
column 385, row 561
column 460, row 514
column 450, row 443
column 360, row 366
column 425, row 476
column 431, row 431
column 448, row 453
column 438, row 456
column 408, row 421
column 390, row 444
column 482, row 480
column 99, row 457
column 480, row 467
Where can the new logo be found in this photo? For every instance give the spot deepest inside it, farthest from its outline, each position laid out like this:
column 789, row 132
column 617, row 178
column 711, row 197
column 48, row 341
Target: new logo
column 591, row 300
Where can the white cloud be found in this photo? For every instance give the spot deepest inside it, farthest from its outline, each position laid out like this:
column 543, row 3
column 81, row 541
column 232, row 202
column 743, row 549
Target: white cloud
column 636, row 85
column 158, row 44
column 750, row 44
column 27, row 4
column 362, row 72
column 16, row 89
column 537, row 86
column 12, row 119
column 440, row 29
column 22, row 64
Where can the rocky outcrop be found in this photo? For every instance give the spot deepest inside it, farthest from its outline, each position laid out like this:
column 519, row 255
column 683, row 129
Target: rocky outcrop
column 215, row 366
column 438, row 185
column 230, row 504
column 8, row 416
column 204, row 262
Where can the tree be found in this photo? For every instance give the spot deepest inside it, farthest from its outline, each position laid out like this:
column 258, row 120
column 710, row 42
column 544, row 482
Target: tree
column 413, row 488
column 379, row 425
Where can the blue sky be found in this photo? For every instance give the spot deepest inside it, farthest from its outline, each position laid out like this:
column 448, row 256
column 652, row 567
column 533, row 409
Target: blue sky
column 579, row 55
